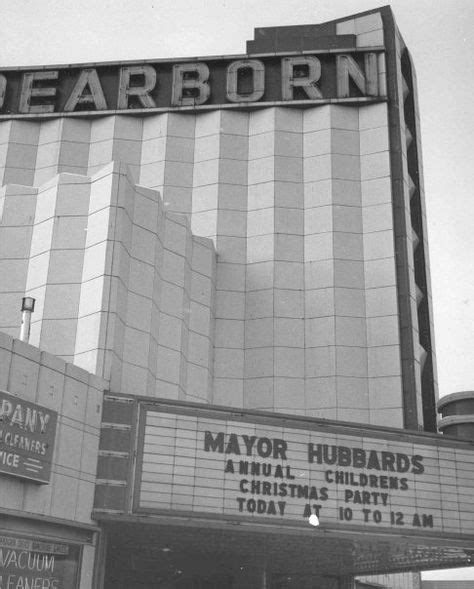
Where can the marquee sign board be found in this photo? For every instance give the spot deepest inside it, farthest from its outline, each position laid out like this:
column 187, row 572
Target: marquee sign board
column 282, row 472
column 27, row 435
column 332, row 75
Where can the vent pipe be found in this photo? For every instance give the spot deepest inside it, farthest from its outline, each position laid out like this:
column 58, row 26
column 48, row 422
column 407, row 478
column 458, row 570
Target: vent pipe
column 27, row 308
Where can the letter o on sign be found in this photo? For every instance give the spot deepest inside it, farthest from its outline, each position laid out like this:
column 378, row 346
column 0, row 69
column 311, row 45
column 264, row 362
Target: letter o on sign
column 264, row 447
column 258, row 80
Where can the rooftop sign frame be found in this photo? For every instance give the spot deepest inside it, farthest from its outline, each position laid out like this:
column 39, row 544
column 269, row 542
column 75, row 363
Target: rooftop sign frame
column 349, row 75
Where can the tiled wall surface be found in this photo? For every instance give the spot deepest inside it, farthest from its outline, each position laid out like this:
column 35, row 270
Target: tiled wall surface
column 76, row 396
column 109, row 271
column 368, row 29
column 299, row 314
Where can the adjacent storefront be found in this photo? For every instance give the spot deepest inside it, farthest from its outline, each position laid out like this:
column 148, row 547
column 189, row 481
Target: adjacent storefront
column 38, row 563
column 48, row 458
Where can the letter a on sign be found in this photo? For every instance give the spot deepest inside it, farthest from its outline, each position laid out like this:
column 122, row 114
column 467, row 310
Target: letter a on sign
column 96, row 98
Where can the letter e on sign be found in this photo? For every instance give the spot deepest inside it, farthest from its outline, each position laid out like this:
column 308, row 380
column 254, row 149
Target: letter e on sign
column 29, row 90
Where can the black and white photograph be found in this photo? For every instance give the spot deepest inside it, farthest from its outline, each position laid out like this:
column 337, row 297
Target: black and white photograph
column 236, row 294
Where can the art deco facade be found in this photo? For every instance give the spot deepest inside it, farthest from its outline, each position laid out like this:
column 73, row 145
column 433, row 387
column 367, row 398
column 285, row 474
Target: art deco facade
column 262, row 255
column 250, row 253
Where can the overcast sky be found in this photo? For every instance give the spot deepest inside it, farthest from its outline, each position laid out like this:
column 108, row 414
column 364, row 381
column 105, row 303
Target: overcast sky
column 439, row 34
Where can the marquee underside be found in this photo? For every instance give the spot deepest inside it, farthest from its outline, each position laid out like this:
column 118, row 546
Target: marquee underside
column 160, row 551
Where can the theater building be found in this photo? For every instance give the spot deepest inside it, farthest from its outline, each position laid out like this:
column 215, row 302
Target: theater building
column 229, row 377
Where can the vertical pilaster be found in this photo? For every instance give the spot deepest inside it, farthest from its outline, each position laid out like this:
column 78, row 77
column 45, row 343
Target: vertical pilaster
column 219, row 213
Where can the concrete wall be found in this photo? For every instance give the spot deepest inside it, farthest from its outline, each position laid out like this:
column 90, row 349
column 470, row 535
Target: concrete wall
column 76, row 395
column 62, row 508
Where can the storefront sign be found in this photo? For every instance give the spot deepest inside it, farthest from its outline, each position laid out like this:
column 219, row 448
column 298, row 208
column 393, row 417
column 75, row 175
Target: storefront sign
column 284, row 473
column 324, row 76
column 30, row 563
column 27, row 434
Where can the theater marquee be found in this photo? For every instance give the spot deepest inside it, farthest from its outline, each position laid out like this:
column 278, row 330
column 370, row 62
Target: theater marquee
column 285, row 470
column 336, row 75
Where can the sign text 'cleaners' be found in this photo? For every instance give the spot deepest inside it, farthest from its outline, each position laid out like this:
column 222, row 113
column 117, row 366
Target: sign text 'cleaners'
column 27, row 434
